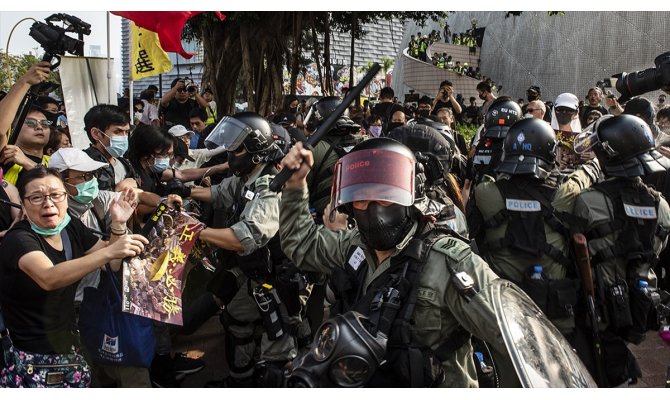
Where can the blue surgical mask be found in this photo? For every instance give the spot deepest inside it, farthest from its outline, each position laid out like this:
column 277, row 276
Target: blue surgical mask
column 160, row 164
column 118, row 145
column 86, row 191
column 51, row 231
column 375, row 130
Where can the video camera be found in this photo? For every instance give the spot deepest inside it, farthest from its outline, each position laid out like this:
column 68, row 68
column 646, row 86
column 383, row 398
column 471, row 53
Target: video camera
column 54, row 40
column 648, row 80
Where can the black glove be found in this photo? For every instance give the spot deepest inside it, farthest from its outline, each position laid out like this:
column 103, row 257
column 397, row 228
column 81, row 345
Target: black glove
column 175, row 186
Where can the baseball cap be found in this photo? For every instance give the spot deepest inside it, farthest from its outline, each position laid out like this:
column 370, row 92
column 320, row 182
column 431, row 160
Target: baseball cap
column 73, row 158
column 179, row 130
column 567, row 100
column 284, row 119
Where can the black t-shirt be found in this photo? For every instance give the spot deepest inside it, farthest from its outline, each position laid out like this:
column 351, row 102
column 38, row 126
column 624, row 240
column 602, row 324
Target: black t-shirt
column 176, row 113
column 39, row 321
column 441, row 104
column 5, row 211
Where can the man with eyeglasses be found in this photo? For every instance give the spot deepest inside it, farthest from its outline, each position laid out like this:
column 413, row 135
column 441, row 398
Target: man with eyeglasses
column 176, row 103
column 536, row 109
column 108, row 127
column 33, row 135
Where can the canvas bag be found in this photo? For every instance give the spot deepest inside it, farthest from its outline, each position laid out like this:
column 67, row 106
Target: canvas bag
column 112, row 336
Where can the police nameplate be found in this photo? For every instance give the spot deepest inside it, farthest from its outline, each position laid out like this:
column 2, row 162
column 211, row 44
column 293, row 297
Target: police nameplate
column 477, row 159
column 357, row 258
column 640, row 212
column 523, row 205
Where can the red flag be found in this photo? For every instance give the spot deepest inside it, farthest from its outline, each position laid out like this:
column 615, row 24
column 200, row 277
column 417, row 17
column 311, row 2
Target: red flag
column 167, row 24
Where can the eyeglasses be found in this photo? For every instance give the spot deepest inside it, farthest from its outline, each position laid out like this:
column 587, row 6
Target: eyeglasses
column 181, row 90
column 32, row 122
column 532, row 110
column 565, row 110
column 39, row 199
column 85, row 177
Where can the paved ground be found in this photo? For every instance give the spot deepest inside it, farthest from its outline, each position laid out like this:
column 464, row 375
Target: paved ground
column 207, row 343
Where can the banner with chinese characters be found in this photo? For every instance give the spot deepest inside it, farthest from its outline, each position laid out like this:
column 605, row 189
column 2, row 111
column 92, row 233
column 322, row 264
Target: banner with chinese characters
column 152, row 280
column 147, row 57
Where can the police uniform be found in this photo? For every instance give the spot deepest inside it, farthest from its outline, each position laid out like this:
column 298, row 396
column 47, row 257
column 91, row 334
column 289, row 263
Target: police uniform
column 256, row 225
column 440, row 309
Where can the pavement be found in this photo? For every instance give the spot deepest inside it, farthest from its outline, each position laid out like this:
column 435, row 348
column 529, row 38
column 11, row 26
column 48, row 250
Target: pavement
column 207, row 343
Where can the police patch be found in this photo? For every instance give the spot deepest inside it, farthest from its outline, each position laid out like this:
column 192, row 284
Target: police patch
column 523, row 205
column 263, row 181
column 456, row 250
column 521, row 137
column 640, row 212
column 426, row 294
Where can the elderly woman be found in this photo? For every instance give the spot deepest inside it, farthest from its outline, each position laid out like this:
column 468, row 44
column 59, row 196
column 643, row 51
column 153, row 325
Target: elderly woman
column 43, row 259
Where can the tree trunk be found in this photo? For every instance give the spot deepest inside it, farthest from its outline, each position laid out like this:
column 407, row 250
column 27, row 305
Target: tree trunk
column 296, row 49
column 328, row 90
column 317, row 59
column 353, row 52
column 222, row 62
column 246, row 72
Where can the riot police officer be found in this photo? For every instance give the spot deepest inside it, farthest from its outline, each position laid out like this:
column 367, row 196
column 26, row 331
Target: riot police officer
column 421, row 288
column 626, row 223
column 523, row 218
column 250, row 287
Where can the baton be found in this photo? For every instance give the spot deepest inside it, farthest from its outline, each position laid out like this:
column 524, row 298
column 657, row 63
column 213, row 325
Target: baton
column 321, row 131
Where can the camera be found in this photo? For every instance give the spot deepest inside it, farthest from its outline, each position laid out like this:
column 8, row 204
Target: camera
column 650, row 79
column 190, row 85
column 53, row 38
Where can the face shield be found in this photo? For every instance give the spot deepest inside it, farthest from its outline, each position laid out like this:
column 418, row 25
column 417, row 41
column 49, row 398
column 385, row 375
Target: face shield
column 586, row 140
column 229, row 133
column 373, row 175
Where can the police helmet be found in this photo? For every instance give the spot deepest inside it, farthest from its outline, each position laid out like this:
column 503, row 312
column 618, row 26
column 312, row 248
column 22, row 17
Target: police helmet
column 623, row 145
column 378, row 169
column 529, row 149
column 245, row 129
column 502, row 114
column 321, row 110
column 431, row 148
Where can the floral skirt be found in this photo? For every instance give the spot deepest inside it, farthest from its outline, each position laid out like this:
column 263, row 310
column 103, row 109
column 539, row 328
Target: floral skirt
column 33, row 370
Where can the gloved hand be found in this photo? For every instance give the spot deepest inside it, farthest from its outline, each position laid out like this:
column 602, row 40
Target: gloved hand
column 175, row 186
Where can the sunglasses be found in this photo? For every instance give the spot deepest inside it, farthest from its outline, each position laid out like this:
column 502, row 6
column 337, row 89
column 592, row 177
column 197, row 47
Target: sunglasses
column 181, row 90
column 32, row 122
column 565, row 110
column 532, row 110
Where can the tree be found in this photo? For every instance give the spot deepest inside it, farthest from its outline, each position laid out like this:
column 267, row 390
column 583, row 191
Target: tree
column 19, row 65
column 245, row 54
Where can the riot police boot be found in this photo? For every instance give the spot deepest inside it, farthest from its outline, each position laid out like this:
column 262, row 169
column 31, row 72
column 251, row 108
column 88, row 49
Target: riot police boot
column 270, row 374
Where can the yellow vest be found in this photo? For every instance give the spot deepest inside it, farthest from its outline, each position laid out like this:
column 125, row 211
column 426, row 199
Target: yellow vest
column 12, row 175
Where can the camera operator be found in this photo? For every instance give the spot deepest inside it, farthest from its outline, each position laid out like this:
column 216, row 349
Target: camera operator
column 445, row 98
column 33, row 135
column 177, row 104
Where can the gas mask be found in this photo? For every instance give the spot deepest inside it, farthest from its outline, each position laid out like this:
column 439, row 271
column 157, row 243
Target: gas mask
column 382, row 227
column 344, row 354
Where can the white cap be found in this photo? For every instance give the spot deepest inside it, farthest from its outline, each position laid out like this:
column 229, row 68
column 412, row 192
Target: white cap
column 73, row 158
column 567, row 100
column 179, row 130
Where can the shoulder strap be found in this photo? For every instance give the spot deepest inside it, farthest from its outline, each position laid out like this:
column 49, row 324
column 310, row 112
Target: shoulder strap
column 67, row 245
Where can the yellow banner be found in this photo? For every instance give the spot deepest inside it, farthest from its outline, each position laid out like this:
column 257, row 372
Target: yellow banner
column 147, row 57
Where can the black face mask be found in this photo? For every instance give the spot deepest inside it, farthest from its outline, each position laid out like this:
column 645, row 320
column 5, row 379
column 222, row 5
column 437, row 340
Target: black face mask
column 424, row 113
column 293, row 110
column 241, row 165
column 482, row 96
column 394, row 125
column 563, row 118
column 381, row 227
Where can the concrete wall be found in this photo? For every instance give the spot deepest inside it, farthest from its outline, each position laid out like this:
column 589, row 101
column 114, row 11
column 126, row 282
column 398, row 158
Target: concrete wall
column 567, row 53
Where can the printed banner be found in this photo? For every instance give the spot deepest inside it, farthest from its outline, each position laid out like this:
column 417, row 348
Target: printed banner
column 152, row 280
column 147, row 57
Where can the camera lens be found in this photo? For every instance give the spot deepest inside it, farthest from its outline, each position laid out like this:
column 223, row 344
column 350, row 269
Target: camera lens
column 638, row 82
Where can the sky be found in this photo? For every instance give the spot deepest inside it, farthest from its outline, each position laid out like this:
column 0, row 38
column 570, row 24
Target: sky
column 22, row 43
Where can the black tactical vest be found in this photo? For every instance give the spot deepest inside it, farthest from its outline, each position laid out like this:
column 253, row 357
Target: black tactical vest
column 488, row 154
column 527, row 212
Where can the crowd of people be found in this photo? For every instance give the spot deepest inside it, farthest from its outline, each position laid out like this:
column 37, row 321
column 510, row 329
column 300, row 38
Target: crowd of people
column 376, row 262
